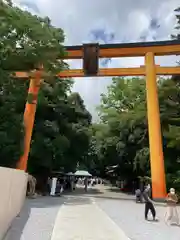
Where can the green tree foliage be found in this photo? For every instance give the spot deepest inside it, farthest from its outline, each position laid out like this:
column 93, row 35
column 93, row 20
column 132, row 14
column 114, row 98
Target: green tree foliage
column 61, row 137
column 123, row 141
column 61, row 133
column 28, row 40
column 124, row 110
column 12, row 93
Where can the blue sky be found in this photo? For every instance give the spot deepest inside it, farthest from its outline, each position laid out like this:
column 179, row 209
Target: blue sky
column 108, row 21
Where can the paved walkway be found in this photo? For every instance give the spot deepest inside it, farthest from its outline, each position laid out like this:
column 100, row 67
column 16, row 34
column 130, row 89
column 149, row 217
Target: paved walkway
column 129, row 216
column 72, row 217
column 36, row 220
column 99, row 214
column 82, row 219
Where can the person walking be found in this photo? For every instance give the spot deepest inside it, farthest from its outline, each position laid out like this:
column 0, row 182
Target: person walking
column 171, row 216
column 138, row 195
column 149, row 203
column 62, row 185
column 86, row 184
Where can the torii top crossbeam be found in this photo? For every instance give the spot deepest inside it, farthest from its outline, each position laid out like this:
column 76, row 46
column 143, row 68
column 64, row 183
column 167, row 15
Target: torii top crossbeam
column 137, row 49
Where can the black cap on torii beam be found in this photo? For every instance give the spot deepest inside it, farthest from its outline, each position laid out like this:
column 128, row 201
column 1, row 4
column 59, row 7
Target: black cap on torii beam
column 91, row 59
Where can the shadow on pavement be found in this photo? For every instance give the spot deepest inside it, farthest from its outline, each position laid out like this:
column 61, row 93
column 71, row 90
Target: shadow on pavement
column 117, row 190
column 81, row 191
column 113, row 193
column 78, row 201
column 16, row 229
column 115, row 198
column 44, row 201
column 124, row 198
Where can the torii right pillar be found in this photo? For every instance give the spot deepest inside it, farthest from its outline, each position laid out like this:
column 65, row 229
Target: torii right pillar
column 154, row 129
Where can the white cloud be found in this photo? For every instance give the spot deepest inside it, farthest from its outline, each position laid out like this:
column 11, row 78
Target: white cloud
column 128, row 19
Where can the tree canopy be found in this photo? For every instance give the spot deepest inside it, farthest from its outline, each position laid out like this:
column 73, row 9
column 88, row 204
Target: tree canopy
column 28, row 40
column 60, row 137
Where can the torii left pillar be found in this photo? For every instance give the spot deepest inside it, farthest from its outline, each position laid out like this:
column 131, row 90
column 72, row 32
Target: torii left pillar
column 29, row 116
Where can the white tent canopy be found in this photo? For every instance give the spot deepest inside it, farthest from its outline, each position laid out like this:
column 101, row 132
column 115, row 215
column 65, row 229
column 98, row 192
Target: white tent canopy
column 69, row 174
column 82, row 173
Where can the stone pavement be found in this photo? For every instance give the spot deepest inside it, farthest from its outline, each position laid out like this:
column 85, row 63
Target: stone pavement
column 36, row 220
column 129, row 216
column 72, row 217
column 101, row 213
column 81, row 219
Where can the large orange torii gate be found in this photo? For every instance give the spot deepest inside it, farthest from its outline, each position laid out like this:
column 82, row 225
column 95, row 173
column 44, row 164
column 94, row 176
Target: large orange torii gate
column 90, row 53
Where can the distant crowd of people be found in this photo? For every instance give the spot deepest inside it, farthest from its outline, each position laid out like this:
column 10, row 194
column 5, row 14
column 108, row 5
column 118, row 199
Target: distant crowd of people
column 90, row 181
column 57, row 185
column 171, row 214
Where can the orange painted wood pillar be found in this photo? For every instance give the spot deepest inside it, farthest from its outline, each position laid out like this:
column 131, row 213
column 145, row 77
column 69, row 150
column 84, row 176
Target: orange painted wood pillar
column 154, row 128
column 29, row 116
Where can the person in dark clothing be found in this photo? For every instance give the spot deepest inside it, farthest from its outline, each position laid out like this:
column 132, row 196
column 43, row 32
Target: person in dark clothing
column 149, row 203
